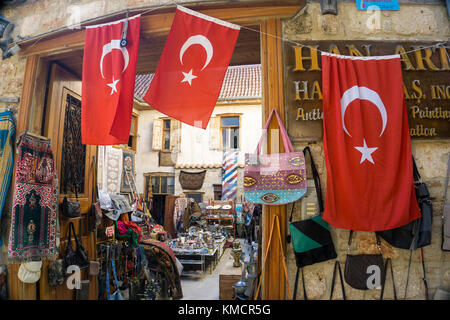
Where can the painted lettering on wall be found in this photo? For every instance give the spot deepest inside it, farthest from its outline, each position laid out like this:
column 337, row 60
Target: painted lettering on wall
column 426, row 75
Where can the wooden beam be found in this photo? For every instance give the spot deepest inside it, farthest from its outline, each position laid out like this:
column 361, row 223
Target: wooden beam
column 153, row 25
column 274, row 287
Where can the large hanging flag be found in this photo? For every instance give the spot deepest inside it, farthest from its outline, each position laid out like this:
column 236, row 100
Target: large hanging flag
column 192, row 67
column 367, row 144
column 229, row 178
column 109, row 71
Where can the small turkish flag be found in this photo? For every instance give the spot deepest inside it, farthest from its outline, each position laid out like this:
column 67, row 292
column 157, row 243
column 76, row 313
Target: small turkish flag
column 192, row 67
column 367, row 146
column 109, row 73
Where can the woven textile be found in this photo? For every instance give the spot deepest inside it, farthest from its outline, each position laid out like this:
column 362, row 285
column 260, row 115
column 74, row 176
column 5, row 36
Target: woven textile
column 35, row 203
column 128, row 171
column 7, row 130
column 110, row 168
column 192, row 180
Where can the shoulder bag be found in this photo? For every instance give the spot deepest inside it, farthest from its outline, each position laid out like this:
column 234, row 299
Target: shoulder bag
column 79, row 256
column 388, row 262
column 311, row 238
column 358, row 267
column 337, row 266
column 277, row 178
column 417, row 233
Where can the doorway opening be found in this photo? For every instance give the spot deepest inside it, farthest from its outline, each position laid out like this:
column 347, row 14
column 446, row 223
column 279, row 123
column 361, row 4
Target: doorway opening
column 208, row 231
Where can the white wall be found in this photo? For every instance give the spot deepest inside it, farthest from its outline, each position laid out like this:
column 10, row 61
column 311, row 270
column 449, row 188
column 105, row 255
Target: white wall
column 146, row 159
column 195, row 147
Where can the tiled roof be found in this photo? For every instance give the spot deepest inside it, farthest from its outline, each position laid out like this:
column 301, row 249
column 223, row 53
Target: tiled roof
column 240, row 82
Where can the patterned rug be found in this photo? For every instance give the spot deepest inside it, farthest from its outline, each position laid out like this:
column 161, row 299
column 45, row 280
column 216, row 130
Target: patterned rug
column 7, row 130
column 35, row 203
column 109, row 169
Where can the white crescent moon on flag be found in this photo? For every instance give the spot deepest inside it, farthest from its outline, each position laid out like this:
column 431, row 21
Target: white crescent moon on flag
column 107, row 48
column 201, row 40
column 362, row 93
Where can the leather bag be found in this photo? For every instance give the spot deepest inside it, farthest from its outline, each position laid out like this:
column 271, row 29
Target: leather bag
column 79, row 256
column 71, row 209
column 276, row 178
column 357, row 272
column 417, row 233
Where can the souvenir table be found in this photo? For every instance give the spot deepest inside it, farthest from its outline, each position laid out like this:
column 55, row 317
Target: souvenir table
column 222, row 215
column 194, row 252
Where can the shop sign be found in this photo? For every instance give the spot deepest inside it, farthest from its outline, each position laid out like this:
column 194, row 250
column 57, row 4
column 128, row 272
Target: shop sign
column 426, row 78
column 377, row 5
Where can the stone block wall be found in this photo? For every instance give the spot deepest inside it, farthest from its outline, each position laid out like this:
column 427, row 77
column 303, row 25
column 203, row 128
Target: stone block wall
column 429, row 22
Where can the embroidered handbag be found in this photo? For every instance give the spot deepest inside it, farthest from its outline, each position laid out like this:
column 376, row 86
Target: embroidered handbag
column 277, row 178
column 78, row 256
column 417, row 233
column 56, row 273
column 357, row 267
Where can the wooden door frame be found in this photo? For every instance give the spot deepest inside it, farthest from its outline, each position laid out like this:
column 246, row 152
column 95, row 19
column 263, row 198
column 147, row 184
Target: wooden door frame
column 267, row 14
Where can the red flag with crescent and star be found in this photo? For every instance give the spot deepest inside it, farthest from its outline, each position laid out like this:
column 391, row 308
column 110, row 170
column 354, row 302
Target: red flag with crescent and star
column 192, row 67
column 109, row 73
column 370, row 185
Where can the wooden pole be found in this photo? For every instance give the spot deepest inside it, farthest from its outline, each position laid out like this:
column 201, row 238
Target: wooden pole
column 272, row 67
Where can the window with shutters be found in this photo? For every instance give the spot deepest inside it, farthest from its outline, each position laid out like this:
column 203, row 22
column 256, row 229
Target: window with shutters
column 229, row 128
column 166, row 135
column 132, row 140
column 159, row 183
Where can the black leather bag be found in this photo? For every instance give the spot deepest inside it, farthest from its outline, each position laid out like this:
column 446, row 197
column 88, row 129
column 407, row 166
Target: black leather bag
column 417, row 233
column 358, row 267
column 79, row 256
column 71, row 209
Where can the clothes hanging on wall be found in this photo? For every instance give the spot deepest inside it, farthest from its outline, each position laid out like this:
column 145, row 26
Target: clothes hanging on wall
column 34, row 214
column 109, row 169
column 7, row 130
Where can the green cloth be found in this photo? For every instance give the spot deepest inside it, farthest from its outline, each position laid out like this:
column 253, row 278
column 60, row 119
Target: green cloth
column 131, row 235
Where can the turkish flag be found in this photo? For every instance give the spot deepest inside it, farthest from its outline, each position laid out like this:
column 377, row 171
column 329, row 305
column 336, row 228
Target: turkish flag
column 192, row 67
column 367, row 146
column 109, row 73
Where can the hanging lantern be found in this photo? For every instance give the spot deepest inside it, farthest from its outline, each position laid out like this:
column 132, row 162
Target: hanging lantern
column 328, row 7
column 5, row 25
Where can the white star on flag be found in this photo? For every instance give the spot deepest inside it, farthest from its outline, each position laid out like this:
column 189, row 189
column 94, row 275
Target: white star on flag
column 188, row 77
column 366, row 153
column 112, row 85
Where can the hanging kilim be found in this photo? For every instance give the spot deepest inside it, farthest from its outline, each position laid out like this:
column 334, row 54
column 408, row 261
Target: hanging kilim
column 7, row 129
column 229, row 177
column 191, row 180
column 35, row 203
column 109, row 174
column 128, row 171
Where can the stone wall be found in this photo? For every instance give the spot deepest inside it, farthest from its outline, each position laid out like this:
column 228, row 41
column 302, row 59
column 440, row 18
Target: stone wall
column 412, row 22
